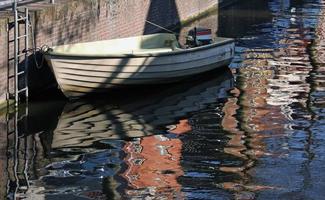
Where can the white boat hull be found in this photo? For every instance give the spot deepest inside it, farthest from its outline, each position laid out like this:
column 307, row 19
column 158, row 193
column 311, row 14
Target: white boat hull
column 81, row 75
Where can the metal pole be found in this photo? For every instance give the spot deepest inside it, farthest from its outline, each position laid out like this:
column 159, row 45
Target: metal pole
column 52, row 1
column 26, row 53
column 16, row 62
column 8, row 64
column 15, row 4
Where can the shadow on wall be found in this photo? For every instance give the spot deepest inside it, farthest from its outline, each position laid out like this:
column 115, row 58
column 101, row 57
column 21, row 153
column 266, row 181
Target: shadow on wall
column 163, row 13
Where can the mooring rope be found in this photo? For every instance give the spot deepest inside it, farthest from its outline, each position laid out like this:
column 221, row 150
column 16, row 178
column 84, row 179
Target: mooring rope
column 166, row 29
column 34, row 49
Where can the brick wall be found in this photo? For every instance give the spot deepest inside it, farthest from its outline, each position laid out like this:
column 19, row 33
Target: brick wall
column 3, row 156
column 90, row 20
column 3, row 58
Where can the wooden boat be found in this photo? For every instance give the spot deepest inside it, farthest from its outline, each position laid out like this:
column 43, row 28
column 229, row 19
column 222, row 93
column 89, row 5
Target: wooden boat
column 85, row 68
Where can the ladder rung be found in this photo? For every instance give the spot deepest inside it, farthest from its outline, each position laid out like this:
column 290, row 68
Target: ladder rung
column 22, row 36
column 20, row 73
column 21, row 117
column 22, row 90
column 21, row 19
column 19, row 55
column 11, row 76
column 11, row 132
column 21, row 11
column 22, row 54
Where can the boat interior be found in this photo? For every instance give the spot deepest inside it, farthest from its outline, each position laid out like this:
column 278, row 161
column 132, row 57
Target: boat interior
column 154, row 43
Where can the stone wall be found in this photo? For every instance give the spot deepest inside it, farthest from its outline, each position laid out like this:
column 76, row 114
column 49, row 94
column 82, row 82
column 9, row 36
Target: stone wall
column 3, row 60
column 3, row 156
column 90, row 20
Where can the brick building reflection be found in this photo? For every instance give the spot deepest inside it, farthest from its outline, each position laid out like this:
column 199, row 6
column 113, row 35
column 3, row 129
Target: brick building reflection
column 246, row 122
column 272, row 94
column 318, row 57
column 153, row 165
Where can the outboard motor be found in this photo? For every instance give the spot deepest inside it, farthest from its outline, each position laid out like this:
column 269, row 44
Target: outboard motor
column 199, row 37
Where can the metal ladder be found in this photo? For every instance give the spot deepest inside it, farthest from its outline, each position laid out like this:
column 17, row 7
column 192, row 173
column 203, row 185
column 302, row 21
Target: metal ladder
column 18, row 155
column 17, row 88
column 19, row 72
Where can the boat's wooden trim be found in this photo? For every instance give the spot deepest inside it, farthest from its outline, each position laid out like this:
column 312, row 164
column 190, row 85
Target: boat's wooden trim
column 220, row 42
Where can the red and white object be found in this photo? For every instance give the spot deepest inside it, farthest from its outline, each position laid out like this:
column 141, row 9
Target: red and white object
column 203, row 34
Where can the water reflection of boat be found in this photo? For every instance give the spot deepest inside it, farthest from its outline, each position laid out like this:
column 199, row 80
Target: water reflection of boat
column 82, row 122
column 152, row 59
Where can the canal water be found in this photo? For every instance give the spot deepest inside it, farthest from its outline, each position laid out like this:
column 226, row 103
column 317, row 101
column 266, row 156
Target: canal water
column 254, row 131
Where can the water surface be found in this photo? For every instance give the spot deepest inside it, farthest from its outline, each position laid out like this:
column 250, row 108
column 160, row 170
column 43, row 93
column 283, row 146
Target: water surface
column 254, row 131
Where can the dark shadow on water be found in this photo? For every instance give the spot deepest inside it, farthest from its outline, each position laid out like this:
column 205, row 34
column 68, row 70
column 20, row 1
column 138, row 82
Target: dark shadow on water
column 239, row 20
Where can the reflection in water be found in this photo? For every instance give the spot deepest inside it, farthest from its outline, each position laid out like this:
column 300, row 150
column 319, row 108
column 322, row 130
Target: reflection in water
column 240, row 20
column 153, row 166
column 317, row 97
column 271, row 109
column 260, row 138
column 81, row 123
column 77, row 159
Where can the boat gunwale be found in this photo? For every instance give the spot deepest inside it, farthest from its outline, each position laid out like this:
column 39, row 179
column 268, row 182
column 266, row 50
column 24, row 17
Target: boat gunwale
column 139, row 55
